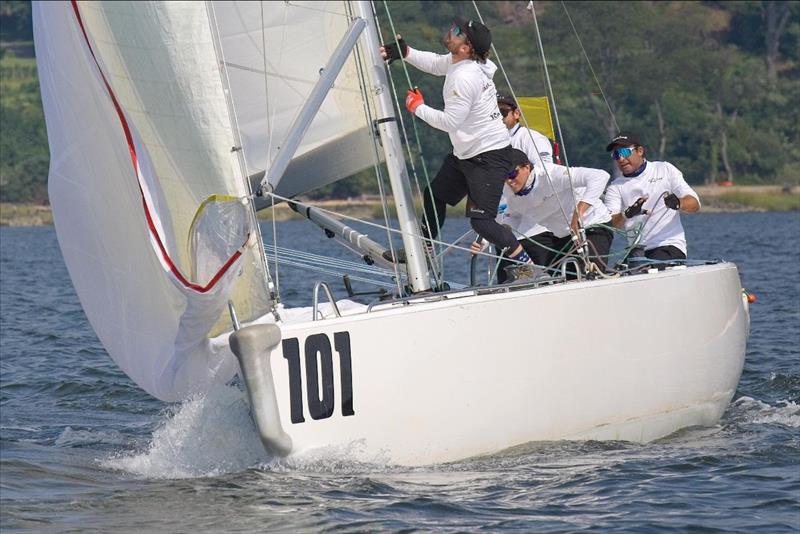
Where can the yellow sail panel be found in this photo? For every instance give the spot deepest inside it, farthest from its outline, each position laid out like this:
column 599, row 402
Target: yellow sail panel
column 536, row 110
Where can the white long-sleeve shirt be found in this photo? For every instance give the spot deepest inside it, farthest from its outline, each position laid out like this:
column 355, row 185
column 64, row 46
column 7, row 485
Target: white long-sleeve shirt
column 662, row 225
column 471, row 116
column 535, row 145
column 538, row 149
column 542, row 207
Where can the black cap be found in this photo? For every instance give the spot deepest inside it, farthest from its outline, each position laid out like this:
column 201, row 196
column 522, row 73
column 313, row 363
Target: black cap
column 518, row 157
column 624, row 139
column 507, row 100
column 477, row 33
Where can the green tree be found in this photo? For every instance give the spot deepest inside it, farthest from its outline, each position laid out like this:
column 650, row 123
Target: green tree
column 15, row 21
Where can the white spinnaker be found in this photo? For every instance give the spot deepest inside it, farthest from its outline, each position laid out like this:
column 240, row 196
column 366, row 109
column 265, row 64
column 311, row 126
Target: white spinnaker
column 299, row 38
column 139, row 136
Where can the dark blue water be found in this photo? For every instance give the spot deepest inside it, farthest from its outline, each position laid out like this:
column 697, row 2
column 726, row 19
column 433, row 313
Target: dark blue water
column 82, row 448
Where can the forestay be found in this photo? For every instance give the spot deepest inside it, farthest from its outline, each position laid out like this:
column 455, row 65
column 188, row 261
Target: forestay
column 141, row 136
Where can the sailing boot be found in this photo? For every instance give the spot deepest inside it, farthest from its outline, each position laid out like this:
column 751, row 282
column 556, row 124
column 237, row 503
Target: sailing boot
column 521, row 272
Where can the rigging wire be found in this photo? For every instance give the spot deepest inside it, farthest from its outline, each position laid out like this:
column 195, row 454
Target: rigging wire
column 580, row 235
column 394, row 230
column 438, row 272
column 335, row 273
column 405, row 134
column 275, row 240
column 318, row 259
column 549, row 85
column 242, row 157
column 335, row 267
column 271, row 112
column 567, row 218
column 362, row 78
column 591, row 68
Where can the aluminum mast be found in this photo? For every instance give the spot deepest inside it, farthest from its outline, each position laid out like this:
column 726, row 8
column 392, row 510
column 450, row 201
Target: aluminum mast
column 416, row 263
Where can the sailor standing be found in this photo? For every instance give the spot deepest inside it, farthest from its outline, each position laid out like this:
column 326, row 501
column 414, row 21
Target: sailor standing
column 653, row 193
column 481, row 157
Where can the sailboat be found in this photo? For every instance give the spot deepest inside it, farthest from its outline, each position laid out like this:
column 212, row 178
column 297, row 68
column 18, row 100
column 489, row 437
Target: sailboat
column 160, row 115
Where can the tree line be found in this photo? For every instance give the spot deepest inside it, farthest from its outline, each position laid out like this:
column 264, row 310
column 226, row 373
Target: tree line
column 710, row 86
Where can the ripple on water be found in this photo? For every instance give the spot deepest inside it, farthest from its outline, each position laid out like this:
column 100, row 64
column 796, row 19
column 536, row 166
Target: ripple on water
column 82, row 448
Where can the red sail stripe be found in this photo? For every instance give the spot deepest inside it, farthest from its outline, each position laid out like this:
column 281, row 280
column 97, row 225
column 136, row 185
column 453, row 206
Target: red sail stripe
column 132, row 149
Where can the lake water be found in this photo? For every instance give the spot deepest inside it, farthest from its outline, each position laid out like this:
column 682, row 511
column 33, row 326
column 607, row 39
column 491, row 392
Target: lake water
column 83, row 449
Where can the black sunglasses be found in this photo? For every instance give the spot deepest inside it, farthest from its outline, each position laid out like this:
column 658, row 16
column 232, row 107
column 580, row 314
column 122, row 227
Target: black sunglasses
column 505, row 111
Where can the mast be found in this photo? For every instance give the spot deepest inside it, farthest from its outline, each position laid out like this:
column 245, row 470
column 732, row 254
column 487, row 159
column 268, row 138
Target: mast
column 386, row 126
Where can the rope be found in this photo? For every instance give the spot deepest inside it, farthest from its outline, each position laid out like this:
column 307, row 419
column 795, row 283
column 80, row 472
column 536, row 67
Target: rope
column 640, row 237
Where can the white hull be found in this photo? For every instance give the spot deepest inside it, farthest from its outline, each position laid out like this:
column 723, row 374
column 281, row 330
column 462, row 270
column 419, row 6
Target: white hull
column 634, row 358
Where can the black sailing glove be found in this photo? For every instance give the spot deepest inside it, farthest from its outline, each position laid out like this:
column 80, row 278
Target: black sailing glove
column 672, row 201
column 393, row 52
column 635, row 209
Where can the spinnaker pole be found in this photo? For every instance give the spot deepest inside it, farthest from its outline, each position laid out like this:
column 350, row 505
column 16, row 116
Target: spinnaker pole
column 386, row 125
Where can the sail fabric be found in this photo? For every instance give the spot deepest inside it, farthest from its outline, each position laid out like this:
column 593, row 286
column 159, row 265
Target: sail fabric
column 536, row 110
column 140, row 135
column 274, row 52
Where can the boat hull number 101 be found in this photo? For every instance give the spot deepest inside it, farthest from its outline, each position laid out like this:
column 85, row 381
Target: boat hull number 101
column 319, row 386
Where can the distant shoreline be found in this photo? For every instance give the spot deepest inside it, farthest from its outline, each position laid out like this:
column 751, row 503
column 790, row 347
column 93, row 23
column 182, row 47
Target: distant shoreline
column 715, row 199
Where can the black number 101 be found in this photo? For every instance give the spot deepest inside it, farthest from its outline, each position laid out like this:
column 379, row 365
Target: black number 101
column 319, row 367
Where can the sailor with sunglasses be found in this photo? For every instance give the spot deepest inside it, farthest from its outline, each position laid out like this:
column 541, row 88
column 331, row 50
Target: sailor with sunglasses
column 537, row 199
column 649, row 192
column 536, row 145
column 481, row 156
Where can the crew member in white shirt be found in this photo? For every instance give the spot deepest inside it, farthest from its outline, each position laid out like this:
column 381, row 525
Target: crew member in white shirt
column 536, row 145
column 649, row 192
column 539, row 196
column 481, row 157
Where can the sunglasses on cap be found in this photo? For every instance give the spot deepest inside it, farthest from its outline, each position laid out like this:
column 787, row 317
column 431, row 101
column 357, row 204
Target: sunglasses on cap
column 619, row 153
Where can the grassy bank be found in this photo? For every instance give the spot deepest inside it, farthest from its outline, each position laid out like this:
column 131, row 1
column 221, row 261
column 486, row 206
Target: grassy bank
column 759, row 201
column 25, row 215
column 749, row 198
column 715, row 200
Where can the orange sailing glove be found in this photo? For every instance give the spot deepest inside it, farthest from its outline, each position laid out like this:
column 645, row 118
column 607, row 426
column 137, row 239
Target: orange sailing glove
column 414, row 100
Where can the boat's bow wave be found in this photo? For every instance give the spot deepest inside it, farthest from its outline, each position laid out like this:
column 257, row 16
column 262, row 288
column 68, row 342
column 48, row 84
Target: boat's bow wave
column 212, row 434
